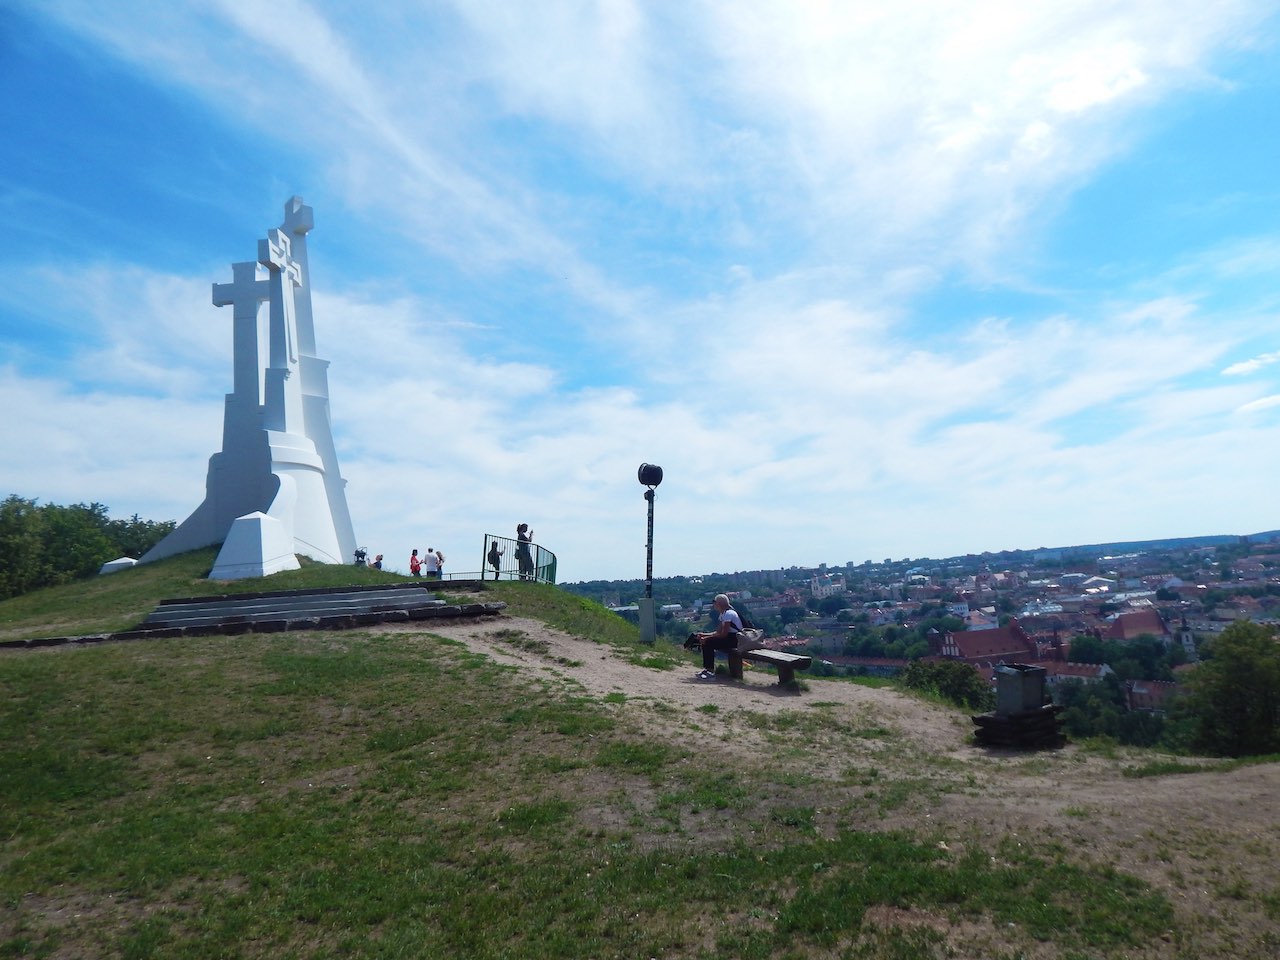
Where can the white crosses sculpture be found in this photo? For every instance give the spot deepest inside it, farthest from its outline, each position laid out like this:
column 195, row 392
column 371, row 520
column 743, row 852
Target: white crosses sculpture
column 274, row 490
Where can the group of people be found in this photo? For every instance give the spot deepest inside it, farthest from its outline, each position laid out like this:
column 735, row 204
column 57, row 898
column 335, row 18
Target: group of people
column 524, row 556
column 432, row 561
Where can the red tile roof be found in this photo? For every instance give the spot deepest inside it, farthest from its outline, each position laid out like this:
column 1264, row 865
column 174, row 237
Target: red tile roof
column 1129, row 626
column 999, row 643
column 1149, row 694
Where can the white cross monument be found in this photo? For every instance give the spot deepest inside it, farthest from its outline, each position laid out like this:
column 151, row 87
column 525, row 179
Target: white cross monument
column 274, row 490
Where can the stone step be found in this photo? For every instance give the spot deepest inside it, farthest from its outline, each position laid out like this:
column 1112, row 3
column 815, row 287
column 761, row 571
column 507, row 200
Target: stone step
column 201, row 611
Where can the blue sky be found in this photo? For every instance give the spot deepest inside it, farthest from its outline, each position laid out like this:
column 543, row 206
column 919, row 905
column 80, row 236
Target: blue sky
column 901, row 282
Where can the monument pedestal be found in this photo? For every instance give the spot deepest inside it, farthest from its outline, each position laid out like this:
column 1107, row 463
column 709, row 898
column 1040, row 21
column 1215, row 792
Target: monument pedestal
column 256, row 546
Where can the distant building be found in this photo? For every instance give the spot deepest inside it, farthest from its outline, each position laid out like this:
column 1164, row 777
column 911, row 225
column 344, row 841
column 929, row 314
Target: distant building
column 1007, row 644
column 981, row 619
column 1149, row 695
column 1238, row 608
column 826, row 585
column 1056, row 672
column 1130, row 626
column 1040, row 608
column 1092, row 585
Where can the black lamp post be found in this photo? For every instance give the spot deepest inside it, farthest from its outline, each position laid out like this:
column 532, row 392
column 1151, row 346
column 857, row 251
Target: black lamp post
column 650, row 475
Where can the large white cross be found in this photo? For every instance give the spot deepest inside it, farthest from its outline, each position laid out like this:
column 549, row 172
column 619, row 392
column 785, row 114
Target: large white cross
column 299, row 220
column 273, row 253
column 243, row 294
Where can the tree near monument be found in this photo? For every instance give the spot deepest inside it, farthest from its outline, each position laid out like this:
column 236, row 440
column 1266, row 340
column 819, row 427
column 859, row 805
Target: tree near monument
column 1233, row 697
column 45, row 545
column 135, row 536
column 21, row 546
column 42, row 546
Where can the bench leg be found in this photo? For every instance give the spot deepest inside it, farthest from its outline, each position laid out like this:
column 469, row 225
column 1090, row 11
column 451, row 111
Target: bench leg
column 785, row 675
column 735, row 666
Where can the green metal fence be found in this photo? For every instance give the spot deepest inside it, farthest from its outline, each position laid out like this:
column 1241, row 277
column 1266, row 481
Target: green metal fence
column 507, row 559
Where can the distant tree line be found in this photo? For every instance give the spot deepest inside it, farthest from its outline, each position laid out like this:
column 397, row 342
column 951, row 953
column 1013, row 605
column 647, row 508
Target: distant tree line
column 1145, row 657
column 1233, row 697
column 1099, row 709
column 1230, row 705
column 42, row 545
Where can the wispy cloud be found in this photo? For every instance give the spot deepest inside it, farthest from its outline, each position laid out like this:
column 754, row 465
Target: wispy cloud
column 1263, row 403
column 1252, row 365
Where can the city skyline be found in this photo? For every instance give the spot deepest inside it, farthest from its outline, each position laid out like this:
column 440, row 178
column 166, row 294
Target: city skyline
column 1074, row 555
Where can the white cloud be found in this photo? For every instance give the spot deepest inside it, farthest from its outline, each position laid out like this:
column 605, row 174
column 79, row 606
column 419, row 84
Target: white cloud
column 1098, row 76
column 930, row 127
column 1262, row 403
column 600, row 68
column 953, row 120
column 1251, row 365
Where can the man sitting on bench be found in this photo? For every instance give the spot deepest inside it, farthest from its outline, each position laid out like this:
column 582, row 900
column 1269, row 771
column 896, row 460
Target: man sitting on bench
column 725, row 636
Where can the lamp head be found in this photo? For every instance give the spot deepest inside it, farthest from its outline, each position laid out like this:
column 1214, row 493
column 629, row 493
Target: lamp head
column 649, row 474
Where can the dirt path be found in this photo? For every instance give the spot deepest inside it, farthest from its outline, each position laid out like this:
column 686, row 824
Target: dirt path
column 1210, row 841
column 600, row 671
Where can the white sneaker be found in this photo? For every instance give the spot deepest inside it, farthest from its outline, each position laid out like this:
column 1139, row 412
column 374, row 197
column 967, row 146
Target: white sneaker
column 706, row 675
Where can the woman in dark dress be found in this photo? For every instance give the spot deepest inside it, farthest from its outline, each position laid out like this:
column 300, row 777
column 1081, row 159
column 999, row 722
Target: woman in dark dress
column 524, row 537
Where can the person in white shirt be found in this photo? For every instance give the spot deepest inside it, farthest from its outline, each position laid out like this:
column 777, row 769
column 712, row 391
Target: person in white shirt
column 725, row 636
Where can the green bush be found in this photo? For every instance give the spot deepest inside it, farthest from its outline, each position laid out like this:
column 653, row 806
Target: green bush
column 952, row 680
column 1233, row 697
column 43, row 546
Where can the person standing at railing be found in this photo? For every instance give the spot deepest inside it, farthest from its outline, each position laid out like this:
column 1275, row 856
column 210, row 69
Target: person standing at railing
column 495, row 559
column 432, row 564
column 415, row 565
column 524, row 559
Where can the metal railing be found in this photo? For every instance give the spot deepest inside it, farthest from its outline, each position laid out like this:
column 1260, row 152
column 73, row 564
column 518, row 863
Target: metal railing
column 516, row 560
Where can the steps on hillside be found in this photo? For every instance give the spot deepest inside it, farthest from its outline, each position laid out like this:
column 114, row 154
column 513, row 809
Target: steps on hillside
column 332, row 608
column 288, row 605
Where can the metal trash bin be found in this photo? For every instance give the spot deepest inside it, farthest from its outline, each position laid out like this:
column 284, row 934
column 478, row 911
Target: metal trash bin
column 1019, row 688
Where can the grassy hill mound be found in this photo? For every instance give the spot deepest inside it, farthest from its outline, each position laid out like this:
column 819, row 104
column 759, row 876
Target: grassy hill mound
column 121, row 600
column 398, row 792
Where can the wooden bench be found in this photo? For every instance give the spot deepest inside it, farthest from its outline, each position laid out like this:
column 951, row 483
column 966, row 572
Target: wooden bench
column 785, row 663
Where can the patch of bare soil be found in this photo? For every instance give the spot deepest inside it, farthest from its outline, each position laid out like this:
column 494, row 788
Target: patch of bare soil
column 1209, row 841
column 600, row 671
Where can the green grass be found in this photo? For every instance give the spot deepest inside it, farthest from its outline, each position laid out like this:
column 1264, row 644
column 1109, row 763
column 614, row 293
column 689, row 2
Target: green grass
column 1161, row 768
column 121, row 600
column 388, row 795
column 1167, row 766
column 572, row 614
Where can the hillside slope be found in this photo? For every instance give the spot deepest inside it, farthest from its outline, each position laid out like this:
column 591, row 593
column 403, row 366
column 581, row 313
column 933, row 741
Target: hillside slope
column 544, row 786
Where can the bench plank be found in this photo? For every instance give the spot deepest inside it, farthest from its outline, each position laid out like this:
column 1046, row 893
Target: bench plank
column 785, row 663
